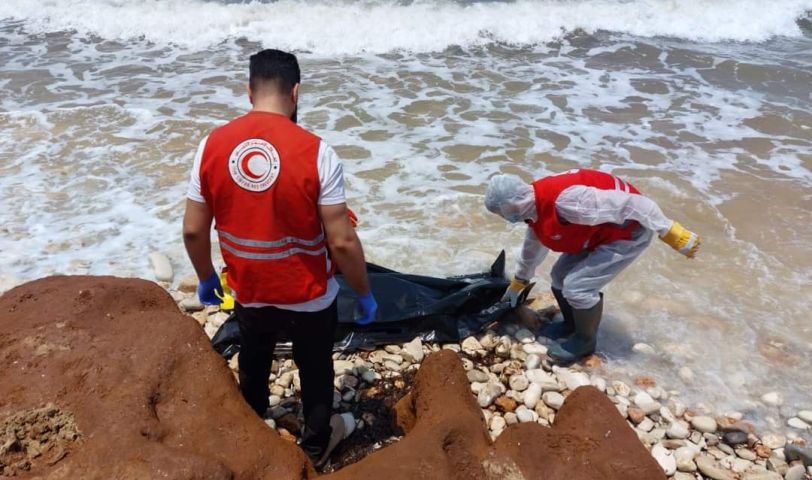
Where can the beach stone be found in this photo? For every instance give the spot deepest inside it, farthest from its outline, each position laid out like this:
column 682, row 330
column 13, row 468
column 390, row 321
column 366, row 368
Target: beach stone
column 392, row 366
column 684, row 458
column 370, row 376
column 599, row 383
column 274, row 400
column 796, row 452
column 188, row 284
column 524, row 415
column 704, row 424
column 805, row 415
column 534, row 349
column 488, row 341
column 643, row 348
column 161, row 267
column 477, row 376
column 678, row 430
column 686, row 374
column 497, row 424
column 471, row 346
column 574, row 380
column 795, row 472
column 524, row 335
column 740, row 465
column 553, row 399
column 544, row 379
column 665, row 458
column 636, row 415
column 796, row 422
column 393, row 357
column 684, row 476
column 511, row 418
column 518, row 382
column 341, row 367
column 532, row 361
column 773, row 399
column 746, row 454
column 506, row 404
column 621, row 388
column 490, row 392
column 735, row 437
column 765, row 475
column 532, row 395
column 774, row 440
column 413, row 351
column 763, row 451
column 191, row 304
column 673, row 443
column 677, row 407
column 646, row 425
column 451, row 346
column 708, row 466
column 393, row 349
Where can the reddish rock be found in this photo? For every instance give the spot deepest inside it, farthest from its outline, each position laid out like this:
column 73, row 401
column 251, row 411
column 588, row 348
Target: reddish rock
column 148, row 394
column 589, row 440
column 506, row 404
column 645, row 382
column 593, row 361
column 636, row 415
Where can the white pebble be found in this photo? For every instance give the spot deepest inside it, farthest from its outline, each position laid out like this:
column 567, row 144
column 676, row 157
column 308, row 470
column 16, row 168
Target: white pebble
column 532, row 361
column 161, row 266
column 553, row 399
column 686, row 374
column 643, row 348
column 534, row 349
column 678, row 431
column 665, row 458
column 796, row 422
column 773, row 399
column 524, row 415
column 805, row 415
column 413, row 351
column 704, row 424
column 621, row 388
column 532, row 395
column 574, row 380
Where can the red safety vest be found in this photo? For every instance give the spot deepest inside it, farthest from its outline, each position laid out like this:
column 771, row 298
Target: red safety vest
column 569, row 237
column 259, row 176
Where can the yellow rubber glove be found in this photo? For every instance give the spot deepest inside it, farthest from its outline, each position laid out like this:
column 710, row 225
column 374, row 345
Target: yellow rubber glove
column 227, row 300
column 513, row 291
column 682, row 240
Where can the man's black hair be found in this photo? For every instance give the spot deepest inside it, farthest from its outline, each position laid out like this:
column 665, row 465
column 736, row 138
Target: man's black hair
column 273, row 67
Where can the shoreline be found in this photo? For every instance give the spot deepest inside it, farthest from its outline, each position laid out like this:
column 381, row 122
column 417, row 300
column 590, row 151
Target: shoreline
column 514, row 382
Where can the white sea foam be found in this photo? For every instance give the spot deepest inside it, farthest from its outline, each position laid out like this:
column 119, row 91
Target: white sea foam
column 343, row 27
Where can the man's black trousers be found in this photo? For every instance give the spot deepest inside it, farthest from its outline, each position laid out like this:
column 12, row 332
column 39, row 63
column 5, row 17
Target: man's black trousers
column 312, row 334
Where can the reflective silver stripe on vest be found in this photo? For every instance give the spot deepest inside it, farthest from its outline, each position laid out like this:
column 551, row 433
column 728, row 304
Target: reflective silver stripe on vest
column 274, row 244
column 271, row 256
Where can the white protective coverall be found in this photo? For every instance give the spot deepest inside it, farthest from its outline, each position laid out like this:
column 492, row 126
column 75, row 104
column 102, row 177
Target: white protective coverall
column 581, row 276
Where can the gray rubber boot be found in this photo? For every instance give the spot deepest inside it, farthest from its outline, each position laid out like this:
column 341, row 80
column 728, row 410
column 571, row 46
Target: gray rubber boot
column 585, row 340
column 564, row 328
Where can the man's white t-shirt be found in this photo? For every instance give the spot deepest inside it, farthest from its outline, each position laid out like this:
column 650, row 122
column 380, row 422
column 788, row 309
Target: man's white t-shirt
column 331, row 180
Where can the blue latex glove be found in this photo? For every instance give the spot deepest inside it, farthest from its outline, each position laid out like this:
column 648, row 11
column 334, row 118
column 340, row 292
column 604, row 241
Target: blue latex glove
column 208, row 289
column 367, row 307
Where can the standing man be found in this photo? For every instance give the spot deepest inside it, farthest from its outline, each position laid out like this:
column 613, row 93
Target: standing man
column 276, row 194
column 599, row 223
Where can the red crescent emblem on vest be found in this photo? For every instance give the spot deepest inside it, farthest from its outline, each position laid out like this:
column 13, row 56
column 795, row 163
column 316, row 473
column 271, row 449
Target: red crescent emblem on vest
column 246, row 167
